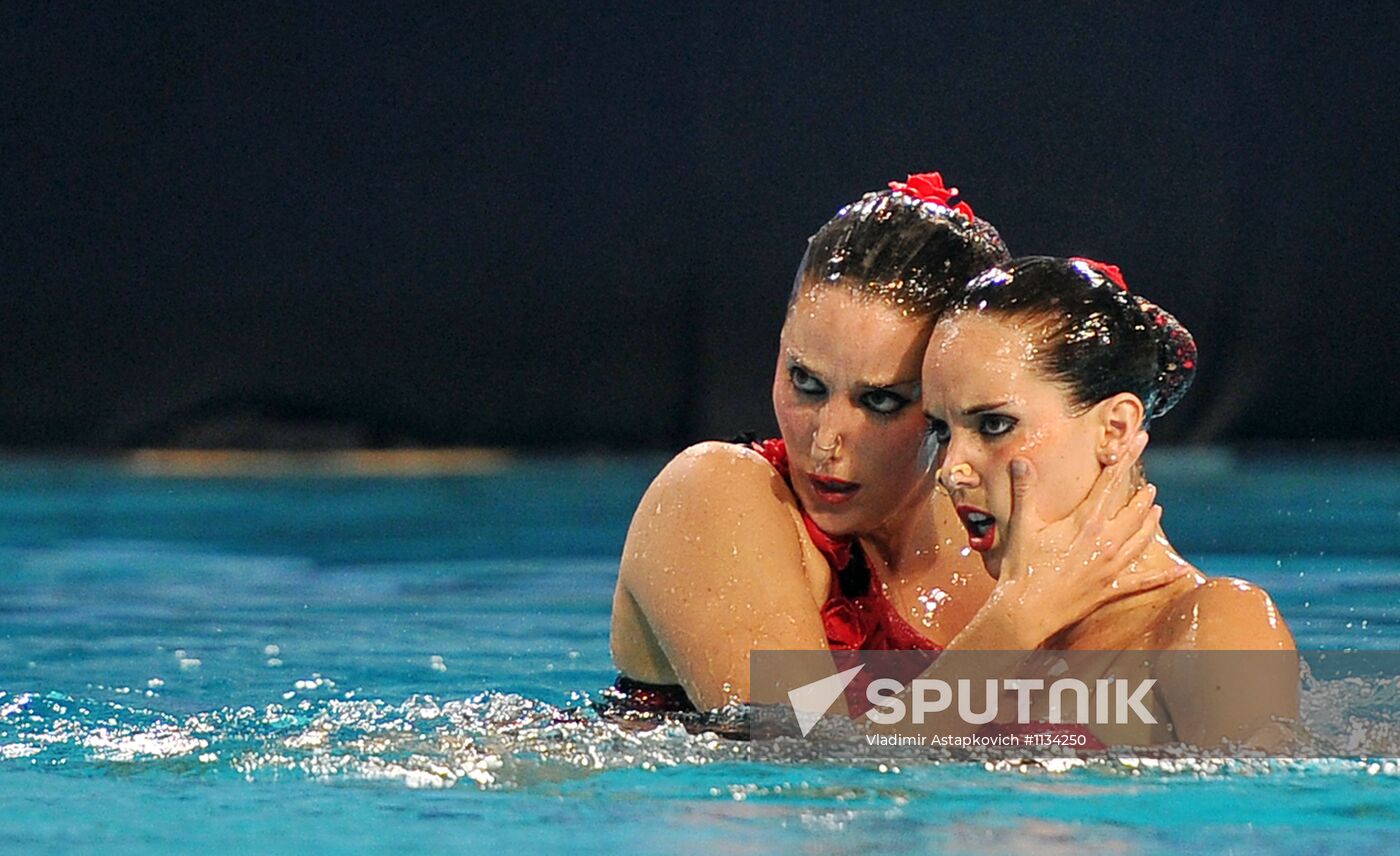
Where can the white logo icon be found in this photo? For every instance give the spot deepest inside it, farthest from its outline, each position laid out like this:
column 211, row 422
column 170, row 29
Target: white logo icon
column 811, row 701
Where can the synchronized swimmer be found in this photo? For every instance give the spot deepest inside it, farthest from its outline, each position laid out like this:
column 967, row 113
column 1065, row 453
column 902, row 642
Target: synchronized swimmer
column 835, row 537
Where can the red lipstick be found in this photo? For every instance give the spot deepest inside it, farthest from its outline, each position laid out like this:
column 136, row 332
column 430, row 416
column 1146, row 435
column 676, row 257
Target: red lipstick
column 832, row 491
column 981, row 527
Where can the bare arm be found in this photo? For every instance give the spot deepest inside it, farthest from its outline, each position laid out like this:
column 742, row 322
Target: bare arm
column 713, row 568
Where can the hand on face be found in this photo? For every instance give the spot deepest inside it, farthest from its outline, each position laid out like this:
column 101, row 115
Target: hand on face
column 1034, row 480
column 986, row 404
column 1060, row 571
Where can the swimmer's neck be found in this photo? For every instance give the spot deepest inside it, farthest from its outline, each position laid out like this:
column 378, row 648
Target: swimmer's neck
column 908, row 541
column 1129, row 623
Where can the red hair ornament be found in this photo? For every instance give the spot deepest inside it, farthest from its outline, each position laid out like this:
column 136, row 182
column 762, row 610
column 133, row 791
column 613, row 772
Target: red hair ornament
column 1108, row 271
column 928, row 187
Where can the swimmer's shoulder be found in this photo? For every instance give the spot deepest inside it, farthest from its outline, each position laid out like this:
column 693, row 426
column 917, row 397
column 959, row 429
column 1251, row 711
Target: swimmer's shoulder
column 724, row 492
column 718, row 470
column 1226, row 614
column 716, row 501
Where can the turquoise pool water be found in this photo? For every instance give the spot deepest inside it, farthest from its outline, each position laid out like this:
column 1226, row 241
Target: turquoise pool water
column 360, row 664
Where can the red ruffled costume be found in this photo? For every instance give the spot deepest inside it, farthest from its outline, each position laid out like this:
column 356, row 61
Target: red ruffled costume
column 858, row 615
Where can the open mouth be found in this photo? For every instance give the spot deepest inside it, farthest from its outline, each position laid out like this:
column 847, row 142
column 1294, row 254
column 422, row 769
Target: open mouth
column 832, row 491
column 981, row 527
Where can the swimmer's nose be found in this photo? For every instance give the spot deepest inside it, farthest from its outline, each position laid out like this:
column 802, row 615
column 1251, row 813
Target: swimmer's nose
column 826, row 443
column 956, row 473
column 830, row 433
column 959, row 477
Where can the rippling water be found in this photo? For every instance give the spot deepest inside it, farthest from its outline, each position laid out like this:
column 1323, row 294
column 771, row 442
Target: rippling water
column 359, row 664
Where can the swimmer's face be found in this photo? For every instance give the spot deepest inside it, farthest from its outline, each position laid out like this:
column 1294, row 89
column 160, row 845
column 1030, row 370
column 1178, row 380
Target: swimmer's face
column 987, row 402
column 846, row 394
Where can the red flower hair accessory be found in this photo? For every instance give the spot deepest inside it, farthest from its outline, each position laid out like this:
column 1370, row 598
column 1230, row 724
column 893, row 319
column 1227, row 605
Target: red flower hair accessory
column 1109, row 272
column 928, row 187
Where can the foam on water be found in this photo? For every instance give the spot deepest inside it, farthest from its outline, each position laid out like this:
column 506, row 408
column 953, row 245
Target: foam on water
column 236, row 664
column 506, row 741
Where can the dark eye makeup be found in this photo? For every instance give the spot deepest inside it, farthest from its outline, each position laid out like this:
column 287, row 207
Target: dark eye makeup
column 883, row 401
column 995, row 424
column 938, row 430
column 803, row 381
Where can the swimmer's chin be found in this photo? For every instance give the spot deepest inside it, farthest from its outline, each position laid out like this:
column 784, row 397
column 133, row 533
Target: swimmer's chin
column 991, row 560
column 834, row 522
column 993, row 566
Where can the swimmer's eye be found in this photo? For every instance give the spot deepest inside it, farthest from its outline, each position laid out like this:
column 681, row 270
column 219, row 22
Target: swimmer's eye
column 995, row 424
column 883, row 401
column 938, row 430
column 804, row 382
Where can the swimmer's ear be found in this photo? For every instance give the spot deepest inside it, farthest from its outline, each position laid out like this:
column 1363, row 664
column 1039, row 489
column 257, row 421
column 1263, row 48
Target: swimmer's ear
column 1119, row 420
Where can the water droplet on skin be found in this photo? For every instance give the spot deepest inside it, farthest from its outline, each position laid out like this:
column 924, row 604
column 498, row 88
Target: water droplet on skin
column 931, row 600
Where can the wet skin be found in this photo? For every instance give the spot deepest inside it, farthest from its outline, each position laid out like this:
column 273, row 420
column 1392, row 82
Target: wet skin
column 846, row 392
column 718, row 562
column 986, row 403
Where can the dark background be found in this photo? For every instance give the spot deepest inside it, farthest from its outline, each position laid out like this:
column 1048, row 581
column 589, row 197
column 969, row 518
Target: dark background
column 550, row 226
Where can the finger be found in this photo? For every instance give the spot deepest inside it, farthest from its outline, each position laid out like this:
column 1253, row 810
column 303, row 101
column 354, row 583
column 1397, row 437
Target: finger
column 1140, row 581
column 1137, row 446
column 1022, row 482
column 1131, row 518
column 1134, row 459
column 1095, row 507
column 1133, row 544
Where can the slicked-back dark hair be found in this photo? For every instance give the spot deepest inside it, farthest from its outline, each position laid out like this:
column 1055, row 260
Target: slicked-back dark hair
column 1100, row 339
column 911, row 253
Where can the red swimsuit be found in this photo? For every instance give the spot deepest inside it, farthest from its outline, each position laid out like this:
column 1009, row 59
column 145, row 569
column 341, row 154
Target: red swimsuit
column 857, row 615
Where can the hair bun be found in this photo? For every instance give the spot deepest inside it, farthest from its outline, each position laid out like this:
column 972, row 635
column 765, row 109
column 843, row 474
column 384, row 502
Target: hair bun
column 1176, row 356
